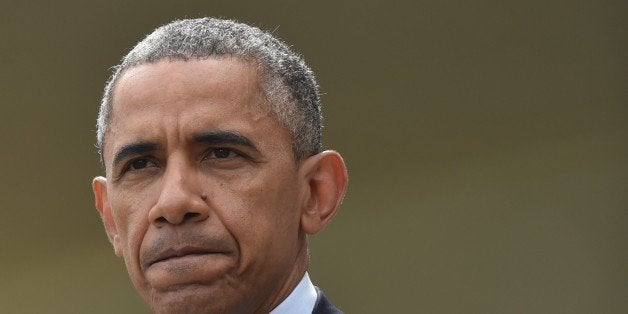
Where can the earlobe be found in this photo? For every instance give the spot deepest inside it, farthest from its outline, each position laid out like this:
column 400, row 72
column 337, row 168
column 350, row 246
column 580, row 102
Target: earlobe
column 99, row 186
column 326, row 176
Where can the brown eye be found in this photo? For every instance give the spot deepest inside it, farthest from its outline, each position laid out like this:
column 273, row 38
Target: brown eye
column 223, row 153
column 139, row 164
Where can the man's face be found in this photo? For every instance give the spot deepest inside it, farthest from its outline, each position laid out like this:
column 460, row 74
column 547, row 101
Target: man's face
column 202, row 197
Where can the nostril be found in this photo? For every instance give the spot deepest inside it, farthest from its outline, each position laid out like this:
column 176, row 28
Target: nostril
column 176, row 219
column 190, row 215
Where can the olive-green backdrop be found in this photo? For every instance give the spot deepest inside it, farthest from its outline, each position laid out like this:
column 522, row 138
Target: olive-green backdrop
column 487, row 145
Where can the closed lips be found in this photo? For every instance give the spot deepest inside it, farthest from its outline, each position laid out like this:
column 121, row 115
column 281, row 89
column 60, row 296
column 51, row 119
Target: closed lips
column 187, row 251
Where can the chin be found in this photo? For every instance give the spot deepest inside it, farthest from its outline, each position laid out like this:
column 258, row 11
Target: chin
column 192, row 299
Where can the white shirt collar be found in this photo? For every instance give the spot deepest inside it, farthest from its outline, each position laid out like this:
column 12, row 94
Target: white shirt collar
column 301, row 300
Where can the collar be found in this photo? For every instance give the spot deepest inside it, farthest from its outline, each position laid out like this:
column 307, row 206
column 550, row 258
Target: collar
column 300, row 300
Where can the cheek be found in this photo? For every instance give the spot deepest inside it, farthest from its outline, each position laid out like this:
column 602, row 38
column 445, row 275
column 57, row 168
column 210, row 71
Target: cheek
column 130, row 212
column 256, row 208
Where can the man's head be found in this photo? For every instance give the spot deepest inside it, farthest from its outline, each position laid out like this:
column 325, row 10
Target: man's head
column 214, row 175
column 288, row 84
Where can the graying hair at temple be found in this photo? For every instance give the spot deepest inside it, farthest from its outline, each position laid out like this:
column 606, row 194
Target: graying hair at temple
column 288, row 84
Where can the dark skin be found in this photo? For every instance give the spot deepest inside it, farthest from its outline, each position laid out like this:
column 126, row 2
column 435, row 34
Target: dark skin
column 202, row 198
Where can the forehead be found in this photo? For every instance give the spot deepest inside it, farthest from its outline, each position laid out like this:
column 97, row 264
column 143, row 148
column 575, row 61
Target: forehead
column 148, row 84
column 152, row 100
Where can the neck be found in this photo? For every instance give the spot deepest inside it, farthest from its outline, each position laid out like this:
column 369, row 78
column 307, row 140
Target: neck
column 291, row 279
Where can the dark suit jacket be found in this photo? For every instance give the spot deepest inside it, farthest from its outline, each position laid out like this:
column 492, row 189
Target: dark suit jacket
column 322, row 305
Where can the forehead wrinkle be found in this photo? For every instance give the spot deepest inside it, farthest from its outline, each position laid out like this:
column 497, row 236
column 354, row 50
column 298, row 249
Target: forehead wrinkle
column 177, row 85
column 181, row 83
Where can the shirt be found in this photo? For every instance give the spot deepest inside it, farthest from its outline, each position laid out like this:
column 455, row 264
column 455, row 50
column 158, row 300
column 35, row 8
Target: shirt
column 301, row 300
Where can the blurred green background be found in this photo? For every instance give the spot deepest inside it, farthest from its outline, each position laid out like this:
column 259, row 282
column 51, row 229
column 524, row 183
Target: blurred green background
column 487, row 143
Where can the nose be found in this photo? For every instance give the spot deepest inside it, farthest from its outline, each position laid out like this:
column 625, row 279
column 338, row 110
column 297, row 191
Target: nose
column 180, row 199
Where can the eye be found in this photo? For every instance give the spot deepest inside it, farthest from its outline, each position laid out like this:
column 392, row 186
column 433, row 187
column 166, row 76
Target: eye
column 222, row 153
column 136, row 166
column 139, row 164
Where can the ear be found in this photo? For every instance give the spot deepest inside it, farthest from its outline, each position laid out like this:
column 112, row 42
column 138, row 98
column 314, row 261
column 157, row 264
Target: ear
column 326, row 177
column 99, row 185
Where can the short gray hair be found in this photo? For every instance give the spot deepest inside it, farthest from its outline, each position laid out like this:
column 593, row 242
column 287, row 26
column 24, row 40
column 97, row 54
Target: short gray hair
column 288, row 84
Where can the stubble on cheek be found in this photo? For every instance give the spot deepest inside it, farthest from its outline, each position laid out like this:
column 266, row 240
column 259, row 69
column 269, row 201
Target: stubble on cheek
column 131, row 224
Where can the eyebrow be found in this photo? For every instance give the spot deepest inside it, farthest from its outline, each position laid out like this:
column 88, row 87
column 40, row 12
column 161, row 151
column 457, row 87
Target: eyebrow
column 211, row 137
column 223, row 137
column 133, row 149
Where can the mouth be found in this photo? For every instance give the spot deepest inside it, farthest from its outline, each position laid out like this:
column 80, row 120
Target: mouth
column 181, row 253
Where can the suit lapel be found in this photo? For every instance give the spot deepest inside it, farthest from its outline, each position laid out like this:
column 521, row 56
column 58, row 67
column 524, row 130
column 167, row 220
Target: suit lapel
column 322, row 305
